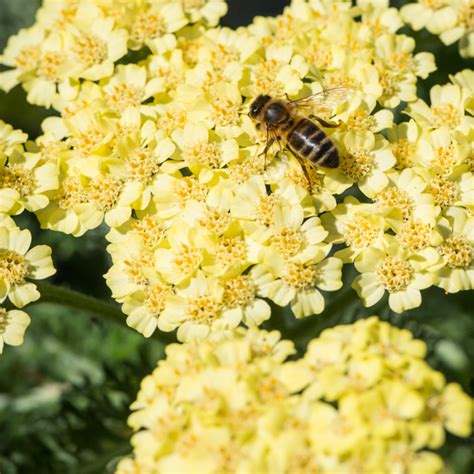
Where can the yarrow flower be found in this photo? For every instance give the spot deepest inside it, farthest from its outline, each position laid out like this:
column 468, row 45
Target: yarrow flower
column 234, row 403
column 18, row 265
column 205, row 230
column 451, row 20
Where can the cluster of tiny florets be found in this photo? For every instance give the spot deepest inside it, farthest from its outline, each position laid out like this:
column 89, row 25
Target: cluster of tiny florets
column 451, row 20
column 18, row 262
column 204, row 229
column 362, row 399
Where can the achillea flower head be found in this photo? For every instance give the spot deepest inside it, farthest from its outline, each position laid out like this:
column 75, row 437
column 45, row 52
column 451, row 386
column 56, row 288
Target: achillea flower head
column 163, row 151
column 235, row 403
column 19, row 264
column 451, row 20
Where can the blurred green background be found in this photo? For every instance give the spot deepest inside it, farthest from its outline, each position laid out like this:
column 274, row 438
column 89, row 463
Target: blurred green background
column 64, row 394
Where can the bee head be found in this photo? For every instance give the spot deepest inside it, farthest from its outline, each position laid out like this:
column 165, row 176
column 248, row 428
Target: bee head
column 257, row 106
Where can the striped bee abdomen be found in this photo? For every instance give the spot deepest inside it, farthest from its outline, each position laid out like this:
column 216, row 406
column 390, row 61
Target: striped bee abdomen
column 309, row 142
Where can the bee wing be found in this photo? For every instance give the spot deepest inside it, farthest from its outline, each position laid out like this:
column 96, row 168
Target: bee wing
column 324, row 102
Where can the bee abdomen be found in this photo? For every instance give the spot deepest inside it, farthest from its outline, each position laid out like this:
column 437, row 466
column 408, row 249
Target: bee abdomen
column 309, row 142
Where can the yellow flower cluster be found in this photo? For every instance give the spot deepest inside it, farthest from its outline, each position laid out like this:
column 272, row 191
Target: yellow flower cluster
column 202, row 230
column 451, row 20
column 23, row 184
column 75, row 40
column 362, row 399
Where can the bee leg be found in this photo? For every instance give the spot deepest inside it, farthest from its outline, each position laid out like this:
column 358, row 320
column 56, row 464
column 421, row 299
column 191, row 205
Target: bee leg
column 323, row 122
column 305, row 171
column 306, row 174
column 269, row 143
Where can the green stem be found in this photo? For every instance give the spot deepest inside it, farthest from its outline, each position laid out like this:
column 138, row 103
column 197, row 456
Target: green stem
column 94, row 306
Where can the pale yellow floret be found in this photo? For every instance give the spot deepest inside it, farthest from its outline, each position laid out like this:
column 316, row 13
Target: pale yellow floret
column 13, row 325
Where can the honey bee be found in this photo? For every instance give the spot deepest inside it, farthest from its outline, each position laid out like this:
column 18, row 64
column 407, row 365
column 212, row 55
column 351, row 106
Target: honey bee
column 286, row 121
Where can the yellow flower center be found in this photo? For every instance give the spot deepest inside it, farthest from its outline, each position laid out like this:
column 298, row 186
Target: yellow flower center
column 206, row 154
column 156, row 296
column 299, row 276
column 190, row 49
column 303, row 460
column 122, row 96
column 466, row 16
column 403, row 151
column 394, row 274
column 222, row 55
column 189, row 189
column 228, row 458
column 361, row 231
column 90, row 51
column 49, row 65
column 338, row 79
column 265, row 83
column 445, row 158
column 147, row 26
column 353, row 42
column 138, row 267
column 203, row 309
column 74, row 107
column 13, row 267
column 389, row 81
column 238, row 292
column 83, row 143
column 66, row 17
column 142, row 165
column 400, row 61
column 18, row 178
column 186, row 260
column 396, row 198
column 287, row 26
column 216, row 221
column 173, row 76
column 415, row 235
column 70, row 193
column 318, row 54
column 357, row 164
column 151, row 229
column 28, row 58
column 172, row 119
column 298, row 177
column 361, row 120
column 50, row 151
column 444, row 191
column 224, row 111
column 289, row 241
column 104, row 191
column 446, row 115
column 458, row 251
column 116, row 10
column 265, row 209
column 230, row 251
column 241, row 172
column 270, row 389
